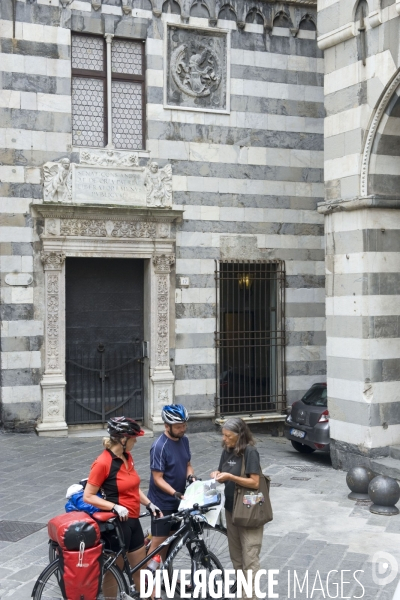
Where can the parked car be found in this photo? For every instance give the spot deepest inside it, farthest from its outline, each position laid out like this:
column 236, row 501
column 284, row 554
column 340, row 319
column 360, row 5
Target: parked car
column 307, row 426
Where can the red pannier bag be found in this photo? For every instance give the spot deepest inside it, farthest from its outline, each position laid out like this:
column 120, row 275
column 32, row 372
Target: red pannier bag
column 80, row 555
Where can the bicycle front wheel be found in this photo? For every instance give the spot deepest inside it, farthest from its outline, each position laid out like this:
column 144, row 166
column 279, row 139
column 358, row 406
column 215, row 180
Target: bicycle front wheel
column 48, row 584
column 209, row 563
column 216, row 541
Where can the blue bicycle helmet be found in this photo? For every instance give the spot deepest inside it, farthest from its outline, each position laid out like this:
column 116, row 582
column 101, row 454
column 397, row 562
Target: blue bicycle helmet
column 173, row 414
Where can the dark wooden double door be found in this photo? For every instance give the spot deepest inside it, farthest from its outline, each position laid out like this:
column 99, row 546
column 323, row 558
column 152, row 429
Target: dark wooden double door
column 104, row 339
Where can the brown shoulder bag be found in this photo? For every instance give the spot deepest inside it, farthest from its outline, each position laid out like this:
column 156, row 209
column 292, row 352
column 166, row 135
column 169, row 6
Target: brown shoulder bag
column 252, row 508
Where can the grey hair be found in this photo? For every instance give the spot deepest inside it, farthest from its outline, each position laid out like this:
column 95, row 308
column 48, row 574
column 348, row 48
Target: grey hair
column 245, row 437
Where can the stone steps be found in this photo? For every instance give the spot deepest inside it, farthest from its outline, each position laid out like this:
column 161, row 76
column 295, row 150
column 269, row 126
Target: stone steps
column 394, row 452
column 387, row 466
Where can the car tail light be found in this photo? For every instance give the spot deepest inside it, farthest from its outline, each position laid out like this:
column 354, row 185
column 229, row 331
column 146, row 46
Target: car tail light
column 320, row 446
column 324, row 417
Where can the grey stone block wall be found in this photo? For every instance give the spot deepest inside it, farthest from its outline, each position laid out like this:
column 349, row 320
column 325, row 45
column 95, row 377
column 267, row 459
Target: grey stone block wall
column 250, row 178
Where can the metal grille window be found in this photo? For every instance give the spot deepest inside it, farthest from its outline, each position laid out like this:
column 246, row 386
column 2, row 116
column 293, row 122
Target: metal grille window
column 250, row 337
column 107, row 92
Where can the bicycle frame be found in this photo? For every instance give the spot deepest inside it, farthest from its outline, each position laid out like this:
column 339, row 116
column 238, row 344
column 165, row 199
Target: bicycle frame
column 186, row 532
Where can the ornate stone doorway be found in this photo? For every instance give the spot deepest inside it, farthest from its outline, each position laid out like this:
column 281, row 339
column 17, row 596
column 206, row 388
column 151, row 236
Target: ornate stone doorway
column 86, row 231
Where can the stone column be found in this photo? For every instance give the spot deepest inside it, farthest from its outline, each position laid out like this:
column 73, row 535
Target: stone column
column 363, row 338
column 162, row 378
column 53, row 382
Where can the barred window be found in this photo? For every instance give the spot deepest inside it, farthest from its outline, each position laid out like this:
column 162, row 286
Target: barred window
column 94, row 123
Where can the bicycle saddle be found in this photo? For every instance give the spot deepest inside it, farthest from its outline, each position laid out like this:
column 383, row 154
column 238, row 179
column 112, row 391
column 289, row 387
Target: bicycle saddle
column 102, row 517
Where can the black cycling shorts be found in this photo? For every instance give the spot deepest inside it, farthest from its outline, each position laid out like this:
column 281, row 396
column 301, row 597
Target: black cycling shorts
column 164, row 528
column 133, row 536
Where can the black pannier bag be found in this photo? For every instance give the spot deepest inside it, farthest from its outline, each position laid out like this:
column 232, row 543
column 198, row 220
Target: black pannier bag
column 80, row 554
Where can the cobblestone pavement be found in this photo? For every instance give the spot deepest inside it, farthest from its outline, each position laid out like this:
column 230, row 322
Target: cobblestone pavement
column 315, row 529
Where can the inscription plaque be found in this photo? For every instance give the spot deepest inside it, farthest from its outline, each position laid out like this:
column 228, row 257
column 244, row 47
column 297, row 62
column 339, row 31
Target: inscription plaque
column 100, row 185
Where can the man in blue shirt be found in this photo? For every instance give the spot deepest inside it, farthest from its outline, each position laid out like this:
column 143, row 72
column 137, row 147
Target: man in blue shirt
column 170, row 469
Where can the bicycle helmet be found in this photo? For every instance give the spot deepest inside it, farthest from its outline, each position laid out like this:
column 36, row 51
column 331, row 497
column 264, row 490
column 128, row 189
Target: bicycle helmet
column 173, row 414
column 124, row 427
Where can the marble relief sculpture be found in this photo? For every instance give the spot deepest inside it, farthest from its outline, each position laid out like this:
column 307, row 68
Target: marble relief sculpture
column 196, row 70
column 108, row 177
column 158, row 184
column 57, row 181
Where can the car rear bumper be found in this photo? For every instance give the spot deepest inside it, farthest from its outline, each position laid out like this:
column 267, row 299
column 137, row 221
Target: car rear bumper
column 315, row 437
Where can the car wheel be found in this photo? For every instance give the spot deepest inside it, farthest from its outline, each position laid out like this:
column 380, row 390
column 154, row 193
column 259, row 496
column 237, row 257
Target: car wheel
column 302, row 448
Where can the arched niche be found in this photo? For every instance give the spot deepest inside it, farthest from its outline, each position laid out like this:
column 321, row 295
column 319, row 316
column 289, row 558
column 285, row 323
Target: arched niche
column 171, row 6
column 199, row 9
column 380, row 167
column 255, row 16
column 227, row 12
column 307, row 23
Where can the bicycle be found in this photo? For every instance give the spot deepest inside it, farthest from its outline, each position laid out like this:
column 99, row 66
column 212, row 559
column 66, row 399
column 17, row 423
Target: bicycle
column 190, row 536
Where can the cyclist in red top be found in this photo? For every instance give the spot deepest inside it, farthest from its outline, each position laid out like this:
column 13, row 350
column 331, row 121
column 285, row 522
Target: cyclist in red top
column 114, row 473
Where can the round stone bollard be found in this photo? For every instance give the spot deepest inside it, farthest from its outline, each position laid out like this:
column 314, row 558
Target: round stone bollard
column 358, row 479
column 384, row 493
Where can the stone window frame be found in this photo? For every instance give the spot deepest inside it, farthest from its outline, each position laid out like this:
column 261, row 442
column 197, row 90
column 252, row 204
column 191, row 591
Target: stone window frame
column 108, row 77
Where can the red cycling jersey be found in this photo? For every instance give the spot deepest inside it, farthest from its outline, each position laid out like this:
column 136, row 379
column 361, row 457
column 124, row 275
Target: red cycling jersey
column 119, row 484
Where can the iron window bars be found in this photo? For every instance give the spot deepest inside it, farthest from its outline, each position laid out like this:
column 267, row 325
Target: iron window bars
column 250, row 337
column 108, row 79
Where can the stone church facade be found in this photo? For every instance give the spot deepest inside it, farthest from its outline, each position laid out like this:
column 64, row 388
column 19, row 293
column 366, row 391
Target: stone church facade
column 161, row 167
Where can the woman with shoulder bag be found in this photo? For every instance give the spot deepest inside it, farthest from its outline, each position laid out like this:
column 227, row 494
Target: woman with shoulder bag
column 239, row 468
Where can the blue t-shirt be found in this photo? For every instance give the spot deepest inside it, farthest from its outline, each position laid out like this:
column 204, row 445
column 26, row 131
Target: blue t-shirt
column 171, row 458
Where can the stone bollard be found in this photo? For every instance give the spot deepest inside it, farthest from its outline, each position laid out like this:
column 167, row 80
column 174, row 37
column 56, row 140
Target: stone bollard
column 384, row 493
column 358, row 479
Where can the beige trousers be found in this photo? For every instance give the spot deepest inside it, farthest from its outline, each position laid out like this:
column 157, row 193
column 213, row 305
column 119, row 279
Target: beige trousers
column 244, row 547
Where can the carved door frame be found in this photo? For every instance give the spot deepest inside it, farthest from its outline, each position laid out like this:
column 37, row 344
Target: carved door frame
column 127, row 233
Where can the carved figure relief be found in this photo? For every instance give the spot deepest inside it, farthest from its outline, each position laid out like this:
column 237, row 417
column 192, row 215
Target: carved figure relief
column 108, row 178
column 158, row 184
column 197, row 72
column 57, row 181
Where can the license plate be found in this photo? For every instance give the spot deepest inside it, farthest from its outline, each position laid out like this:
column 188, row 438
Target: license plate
column 297, row 433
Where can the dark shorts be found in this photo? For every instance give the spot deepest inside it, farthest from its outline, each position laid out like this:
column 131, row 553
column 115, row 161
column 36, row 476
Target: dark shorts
column 133, row 536
column 163, row 528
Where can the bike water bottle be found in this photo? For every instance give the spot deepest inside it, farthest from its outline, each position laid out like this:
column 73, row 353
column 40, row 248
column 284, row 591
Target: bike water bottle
column 155, row 563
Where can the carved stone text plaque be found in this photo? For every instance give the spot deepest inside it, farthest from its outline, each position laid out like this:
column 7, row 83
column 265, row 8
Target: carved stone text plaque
column 99, row 185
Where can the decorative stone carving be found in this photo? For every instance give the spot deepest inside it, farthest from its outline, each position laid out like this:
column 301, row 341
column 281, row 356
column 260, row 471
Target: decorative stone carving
column 163, row 396
column 52, row 337
column 53, row 404
column 135, row 229
column 91, row 228
column 110, row 159
column 108, row 177
column 197, row 69
column 52, row 260
column 118, row 229
column 163, row 262
column 162, row 266
column 57, row 181
column 163, row 230
column 158, row 184
column 51, row 227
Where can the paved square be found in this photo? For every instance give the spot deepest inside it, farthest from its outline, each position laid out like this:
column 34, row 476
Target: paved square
column 316, row 529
